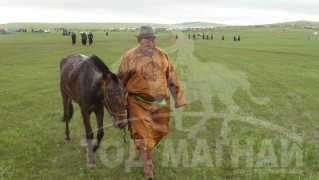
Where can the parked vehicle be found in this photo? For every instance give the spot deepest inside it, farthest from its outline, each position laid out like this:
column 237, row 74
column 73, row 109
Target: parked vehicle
column 4, row 31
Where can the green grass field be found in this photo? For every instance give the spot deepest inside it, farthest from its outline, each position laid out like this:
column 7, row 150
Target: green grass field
column 252, row 108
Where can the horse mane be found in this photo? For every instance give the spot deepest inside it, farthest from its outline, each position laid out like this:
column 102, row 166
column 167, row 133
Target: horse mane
column 103, row 68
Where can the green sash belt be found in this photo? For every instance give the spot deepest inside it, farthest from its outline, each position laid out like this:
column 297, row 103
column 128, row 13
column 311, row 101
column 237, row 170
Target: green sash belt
column 160, row 103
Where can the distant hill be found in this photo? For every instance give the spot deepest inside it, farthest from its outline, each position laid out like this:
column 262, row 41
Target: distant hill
column 197, row 24
column 87, row 25
column 296, row 24
column 105, row 25
column 178, row 25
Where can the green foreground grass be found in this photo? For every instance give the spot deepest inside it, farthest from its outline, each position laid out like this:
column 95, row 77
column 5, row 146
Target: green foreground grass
column 241, row 139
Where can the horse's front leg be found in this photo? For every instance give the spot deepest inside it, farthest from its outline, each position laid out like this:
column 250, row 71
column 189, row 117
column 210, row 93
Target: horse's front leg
column 99, row 112
column 89, row 137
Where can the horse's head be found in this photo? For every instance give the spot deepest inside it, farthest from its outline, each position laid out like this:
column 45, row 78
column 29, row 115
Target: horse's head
column 114, row 100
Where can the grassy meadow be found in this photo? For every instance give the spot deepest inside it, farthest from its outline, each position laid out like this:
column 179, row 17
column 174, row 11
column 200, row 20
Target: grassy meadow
column 252, row 108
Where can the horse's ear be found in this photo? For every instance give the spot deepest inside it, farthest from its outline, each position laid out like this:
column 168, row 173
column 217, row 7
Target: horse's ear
column 104, row 76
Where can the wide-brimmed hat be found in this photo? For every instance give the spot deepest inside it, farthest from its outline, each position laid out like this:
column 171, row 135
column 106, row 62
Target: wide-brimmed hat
column 146, row 31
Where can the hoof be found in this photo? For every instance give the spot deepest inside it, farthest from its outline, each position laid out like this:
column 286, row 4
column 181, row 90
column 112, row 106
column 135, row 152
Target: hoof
column 67, row 141
column 95, row 148
column 91, row 165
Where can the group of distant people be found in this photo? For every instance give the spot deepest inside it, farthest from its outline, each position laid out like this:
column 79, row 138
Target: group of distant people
column 84, row 37
column 236, row 37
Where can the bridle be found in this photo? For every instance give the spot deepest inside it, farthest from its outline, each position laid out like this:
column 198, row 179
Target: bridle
column 108, row 107
column 116, row 114
column 113, row 113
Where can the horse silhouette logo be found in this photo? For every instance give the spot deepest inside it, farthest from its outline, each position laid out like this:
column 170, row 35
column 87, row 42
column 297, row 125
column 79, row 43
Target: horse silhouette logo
column 203, row 81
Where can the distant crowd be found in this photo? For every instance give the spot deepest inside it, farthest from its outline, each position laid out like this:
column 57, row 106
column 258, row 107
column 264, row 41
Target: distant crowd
column 211, row 37
column 84, row 37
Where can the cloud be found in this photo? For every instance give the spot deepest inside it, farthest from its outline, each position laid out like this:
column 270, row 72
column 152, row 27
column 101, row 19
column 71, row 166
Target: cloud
column 236, row 12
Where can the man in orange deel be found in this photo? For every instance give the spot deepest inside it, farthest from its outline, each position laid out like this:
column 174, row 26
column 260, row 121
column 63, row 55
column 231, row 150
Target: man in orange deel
column 148, row 76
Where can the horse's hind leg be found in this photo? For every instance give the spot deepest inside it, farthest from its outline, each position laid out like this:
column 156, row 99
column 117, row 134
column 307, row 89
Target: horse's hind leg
column 99, row 112
column 89, row 137
column 67, row 114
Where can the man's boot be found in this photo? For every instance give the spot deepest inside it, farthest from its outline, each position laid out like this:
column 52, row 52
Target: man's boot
column 146, row 156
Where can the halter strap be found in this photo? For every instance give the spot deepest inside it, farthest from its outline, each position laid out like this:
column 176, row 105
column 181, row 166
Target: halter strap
column 113, row 113
column 108, row 107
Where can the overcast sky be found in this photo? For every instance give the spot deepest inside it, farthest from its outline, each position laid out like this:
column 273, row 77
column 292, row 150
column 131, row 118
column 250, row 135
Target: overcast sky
column 231, row 12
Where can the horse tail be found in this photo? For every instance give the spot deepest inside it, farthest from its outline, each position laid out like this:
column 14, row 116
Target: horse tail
column 103, row 68
column 67, row 116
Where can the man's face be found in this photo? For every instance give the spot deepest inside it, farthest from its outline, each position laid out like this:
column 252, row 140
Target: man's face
column 148, row 45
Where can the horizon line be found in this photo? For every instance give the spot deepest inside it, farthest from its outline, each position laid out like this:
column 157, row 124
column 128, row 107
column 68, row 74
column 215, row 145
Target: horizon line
column 180, row 23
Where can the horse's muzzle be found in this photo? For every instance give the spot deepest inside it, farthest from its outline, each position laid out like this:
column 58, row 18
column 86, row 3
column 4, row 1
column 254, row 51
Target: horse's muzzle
column 121, row 124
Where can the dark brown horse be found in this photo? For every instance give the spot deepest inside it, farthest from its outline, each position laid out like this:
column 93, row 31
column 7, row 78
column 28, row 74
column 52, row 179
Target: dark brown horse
column 90, row 83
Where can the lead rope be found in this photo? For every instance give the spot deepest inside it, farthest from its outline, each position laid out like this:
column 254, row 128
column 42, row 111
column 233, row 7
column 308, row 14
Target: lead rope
column 128, row 123
column 124, row 136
